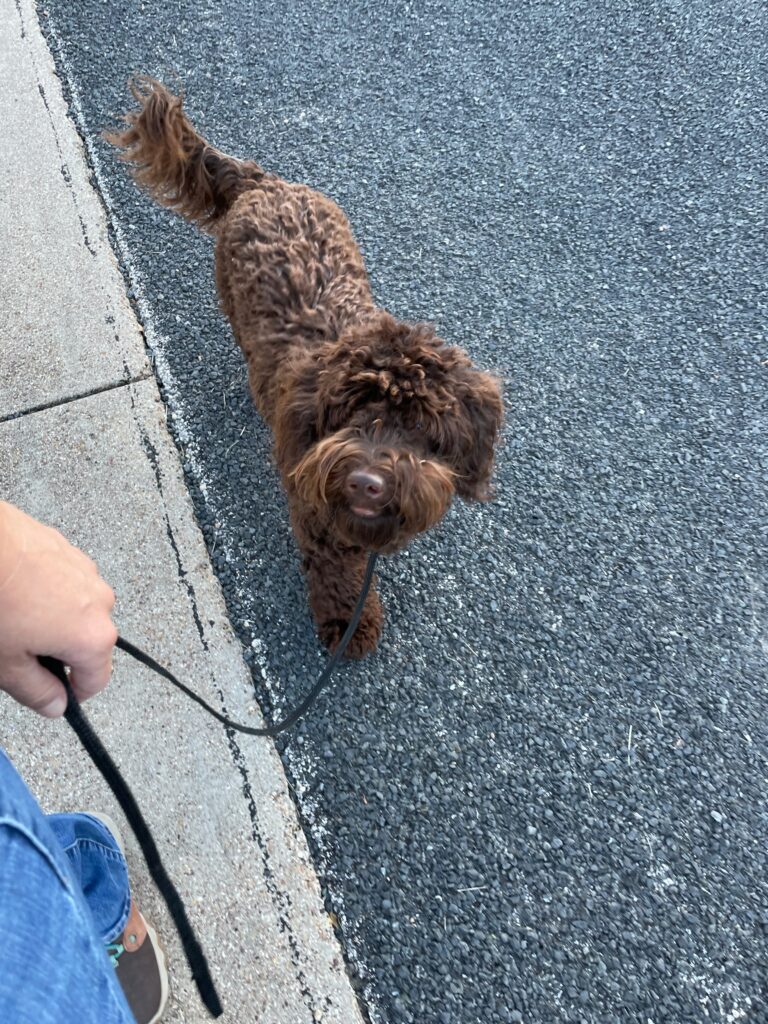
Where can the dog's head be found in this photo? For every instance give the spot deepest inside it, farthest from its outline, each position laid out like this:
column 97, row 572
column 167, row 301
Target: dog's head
column 379, row 429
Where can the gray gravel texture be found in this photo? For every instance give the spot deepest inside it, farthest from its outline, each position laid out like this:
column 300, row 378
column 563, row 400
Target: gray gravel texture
column 544, row 799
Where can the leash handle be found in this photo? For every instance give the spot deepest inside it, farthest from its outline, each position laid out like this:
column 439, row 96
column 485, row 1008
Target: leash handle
column 295, row 715
column 114, row 779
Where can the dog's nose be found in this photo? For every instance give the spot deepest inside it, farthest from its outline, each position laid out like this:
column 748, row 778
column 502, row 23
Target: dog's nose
column 365, row 484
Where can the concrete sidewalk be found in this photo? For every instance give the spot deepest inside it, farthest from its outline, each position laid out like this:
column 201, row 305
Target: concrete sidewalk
column 83, row 446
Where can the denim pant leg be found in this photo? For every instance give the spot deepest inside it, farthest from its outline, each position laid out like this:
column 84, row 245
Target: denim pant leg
column 54, row 968
column 98, row 868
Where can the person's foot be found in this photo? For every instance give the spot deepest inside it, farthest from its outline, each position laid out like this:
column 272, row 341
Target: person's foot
column 138, row 960
column 140, row 966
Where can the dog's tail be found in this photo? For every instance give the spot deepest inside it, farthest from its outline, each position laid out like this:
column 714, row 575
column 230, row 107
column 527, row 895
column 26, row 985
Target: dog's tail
column 174, row 163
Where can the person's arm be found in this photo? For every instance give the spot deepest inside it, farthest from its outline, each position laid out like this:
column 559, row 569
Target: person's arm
column 52, row 601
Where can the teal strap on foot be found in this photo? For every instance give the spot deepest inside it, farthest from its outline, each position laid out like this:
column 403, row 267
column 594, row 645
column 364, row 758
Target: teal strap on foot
column 115, row 951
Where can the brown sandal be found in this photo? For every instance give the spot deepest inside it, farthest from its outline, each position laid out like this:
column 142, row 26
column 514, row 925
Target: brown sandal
column 137, row 957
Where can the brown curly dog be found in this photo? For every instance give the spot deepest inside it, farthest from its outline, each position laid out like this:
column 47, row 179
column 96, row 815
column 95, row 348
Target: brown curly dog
column 377, row 423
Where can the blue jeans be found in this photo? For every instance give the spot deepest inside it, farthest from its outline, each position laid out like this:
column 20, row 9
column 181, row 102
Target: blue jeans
column 63, row 897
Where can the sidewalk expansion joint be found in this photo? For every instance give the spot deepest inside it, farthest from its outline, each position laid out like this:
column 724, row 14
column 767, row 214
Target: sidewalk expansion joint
column 74, row 398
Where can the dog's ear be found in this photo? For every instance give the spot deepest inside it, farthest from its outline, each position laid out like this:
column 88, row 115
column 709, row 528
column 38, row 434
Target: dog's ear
column 474, row 423
column 349, row 375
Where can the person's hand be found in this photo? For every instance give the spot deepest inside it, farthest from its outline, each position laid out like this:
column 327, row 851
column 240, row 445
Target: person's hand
column 52, row 602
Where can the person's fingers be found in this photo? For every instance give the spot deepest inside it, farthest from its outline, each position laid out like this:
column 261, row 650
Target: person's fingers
column 32, row 685
column 107, row 595
column 90, row 679
column 90, row 663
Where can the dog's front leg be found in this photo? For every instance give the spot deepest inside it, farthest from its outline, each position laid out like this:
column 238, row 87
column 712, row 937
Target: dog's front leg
column 335, row 579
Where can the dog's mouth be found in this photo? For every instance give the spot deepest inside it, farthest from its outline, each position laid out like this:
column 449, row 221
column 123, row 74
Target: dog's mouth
column 367, row 517
column 377, row 529
column 366, row 512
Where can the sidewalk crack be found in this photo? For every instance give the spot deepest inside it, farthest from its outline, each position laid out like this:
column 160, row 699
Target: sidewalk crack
column 56, row 402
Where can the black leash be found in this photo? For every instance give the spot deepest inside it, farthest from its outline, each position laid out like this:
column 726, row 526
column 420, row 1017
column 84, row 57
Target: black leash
column 98, row 754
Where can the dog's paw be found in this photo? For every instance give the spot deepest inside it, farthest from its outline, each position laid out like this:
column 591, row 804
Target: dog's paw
column 364, row 640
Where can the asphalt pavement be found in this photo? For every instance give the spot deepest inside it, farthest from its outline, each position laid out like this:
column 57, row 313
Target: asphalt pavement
column 543, row 799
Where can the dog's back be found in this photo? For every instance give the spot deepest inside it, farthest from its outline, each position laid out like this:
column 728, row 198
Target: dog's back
column 289, row 274
column 288, row 269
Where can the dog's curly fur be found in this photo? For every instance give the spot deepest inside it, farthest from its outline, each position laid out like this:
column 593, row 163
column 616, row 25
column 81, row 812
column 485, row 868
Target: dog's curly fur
column 344, row 385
